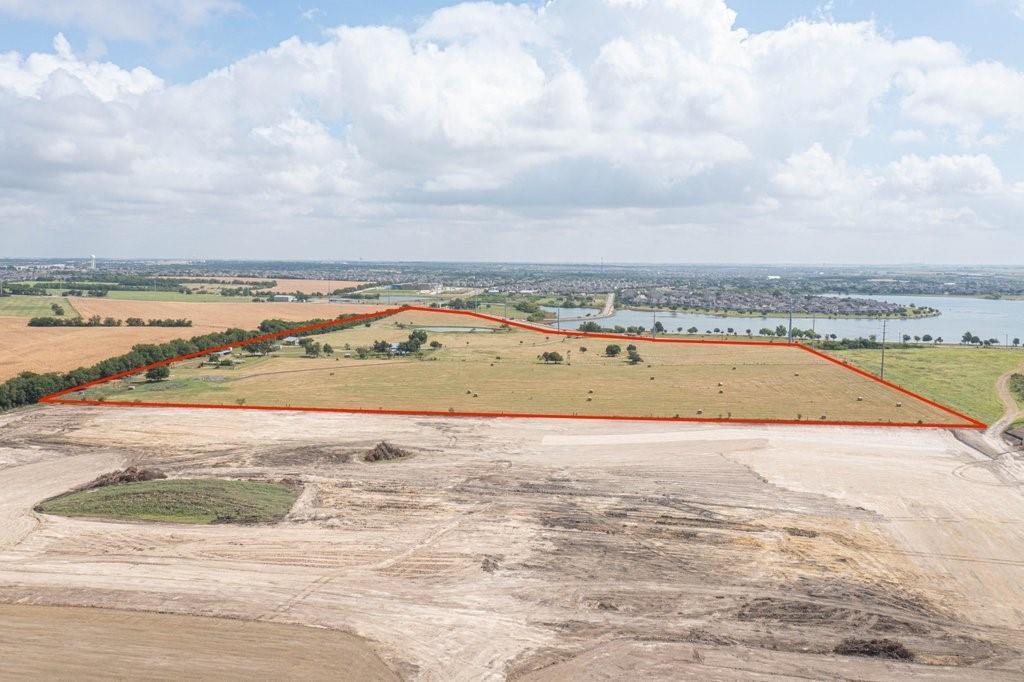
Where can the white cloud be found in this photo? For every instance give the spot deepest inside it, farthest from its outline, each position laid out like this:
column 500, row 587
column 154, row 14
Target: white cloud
column 494, row 121
column 944, row 175
column 908, row 136
column 138, row 20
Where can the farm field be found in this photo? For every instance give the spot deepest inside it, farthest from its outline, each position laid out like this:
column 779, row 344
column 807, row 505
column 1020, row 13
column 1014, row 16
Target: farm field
column 33, row 306
column 59, row 349
column 960, row 377
column 175, row 296
column 494, row 370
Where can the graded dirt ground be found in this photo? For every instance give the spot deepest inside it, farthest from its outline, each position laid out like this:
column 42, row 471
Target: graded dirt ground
column 533, row 549
column 45, row 642
column 484, row 368
column 59, row 349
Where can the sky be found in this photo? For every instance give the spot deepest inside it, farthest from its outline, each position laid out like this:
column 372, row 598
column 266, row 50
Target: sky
column 743, row 131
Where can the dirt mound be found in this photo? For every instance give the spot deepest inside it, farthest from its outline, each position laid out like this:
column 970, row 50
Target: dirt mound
column 385, row 451
column 129, row 475
column 877, row 648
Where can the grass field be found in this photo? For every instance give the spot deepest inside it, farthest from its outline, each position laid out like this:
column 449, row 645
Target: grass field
column 960, row 377
column 175, row 296
column 497, row 371
column 180, row 501
column 33, row 306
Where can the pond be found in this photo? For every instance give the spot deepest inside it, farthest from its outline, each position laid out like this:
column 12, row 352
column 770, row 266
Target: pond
column 999, row 319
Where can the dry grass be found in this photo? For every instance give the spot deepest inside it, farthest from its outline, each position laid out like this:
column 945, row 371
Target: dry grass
column 498, row 372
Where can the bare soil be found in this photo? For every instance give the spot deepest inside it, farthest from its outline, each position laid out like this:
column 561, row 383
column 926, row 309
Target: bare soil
column 518, row 549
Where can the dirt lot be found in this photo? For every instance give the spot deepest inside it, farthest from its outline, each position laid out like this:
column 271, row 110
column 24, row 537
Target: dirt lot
column 543, row 550
column 55, row 349
column 483, row 371
column 89, row 643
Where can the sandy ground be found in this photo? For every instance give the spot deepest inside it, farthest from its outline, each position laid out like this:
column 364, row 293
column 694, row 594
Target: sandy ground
column 107, row 644
column 55, row 349
column 536, row 550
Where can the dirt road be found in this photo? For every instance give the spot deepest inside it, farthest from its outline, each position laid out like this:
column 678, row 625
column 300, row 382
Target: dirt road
column 521, row 549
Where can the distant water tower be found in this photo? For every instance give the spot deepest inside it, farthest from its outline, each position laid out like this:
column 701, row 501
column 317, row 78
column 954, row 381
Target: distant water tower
column 92, row 264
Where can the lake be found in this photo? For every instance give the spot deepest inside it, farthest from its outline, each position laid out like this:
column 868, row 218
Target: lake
column 1000, row 319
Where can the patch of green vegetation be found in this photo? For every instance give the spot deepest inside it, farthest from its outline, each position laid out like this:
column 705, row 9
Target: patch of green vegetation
column 175, row 296
column 34, row 306
column 1016, row 385
column 958, row 377
column 179, row 501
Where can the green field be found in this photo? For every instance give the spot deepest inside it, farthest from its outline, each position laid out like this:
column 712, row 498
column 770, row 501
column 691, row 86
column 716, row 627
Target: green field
column 960, row 377
column 33, row 306
column 179, row 501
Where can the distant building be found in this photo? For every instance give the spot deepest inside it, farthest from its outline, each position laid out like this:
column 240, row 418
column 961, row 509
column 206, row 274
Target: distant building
column 282, row 298
column 290, row 340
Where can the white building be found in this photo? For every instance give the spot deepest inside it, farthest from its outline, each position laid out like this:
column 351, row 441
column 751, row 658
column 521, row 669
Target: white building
column 282, row 298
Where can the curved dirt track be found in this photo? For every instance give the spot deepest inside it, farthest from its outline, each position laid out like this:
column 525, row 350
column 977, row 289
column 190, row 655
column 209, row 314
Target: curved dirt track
column 520, row 549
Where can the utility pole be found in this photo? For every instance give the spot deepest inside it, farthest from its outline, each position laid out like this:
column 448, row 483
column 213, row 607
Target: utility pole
column 791, row 325
column 882, row 375
column 654, row 322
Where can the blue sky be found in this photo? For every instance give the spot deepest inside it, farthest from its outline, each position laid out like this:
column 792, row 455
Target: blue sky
column 988, row 29
column 800, row 131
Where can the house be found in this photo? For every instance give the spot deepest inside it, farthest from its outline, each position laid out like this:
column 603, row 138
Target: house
column 221, row 353
column 290, row 341
column 282, row 298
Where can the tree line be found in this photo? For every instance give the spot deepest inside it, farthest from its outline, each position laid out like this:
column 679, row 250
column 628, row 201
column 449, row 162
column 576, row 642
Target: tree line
column 97, row 321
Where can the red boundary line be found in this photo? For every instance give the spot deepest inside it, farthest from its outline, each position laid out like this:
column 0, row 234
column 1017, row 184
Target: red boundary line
column 56, row 398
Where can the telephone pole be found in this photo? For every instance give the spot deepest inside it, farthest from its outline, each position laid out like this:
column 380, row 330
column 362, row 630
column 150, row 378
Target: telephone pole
column 882, row 374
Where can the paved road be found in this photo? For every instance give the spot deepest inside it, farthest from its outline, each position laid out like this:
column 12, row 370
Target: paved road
column 607, row 311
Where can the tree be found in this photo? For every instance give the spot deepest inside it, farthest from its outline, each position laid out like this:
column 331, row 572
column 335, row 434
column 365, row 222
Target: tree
column 158, row 373
column 634, row 357
column 328, row 349
column 435, row 344
column 659, row 327
column 631, row 347
column 551, row 356
column 313, row 349
column 1016, row 342
column 258, row 347
column 938, row 339
column 968, row 337
column 906, row 337
column 590, row 326
column 612, row 350
column 765, row 331
column 780, row 331
column 381, row 347
column 57, row 309
column 362, row 352
column 691, row 330
column 926, row 338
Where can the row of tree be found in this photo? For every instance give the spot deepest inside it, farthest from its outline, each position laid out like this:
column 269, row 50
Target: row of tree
column 97, row 321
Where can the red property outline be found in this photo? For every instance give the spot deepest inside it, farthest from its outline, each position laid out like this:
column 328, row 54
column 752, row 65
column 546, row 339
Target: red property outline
column 57, row 398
